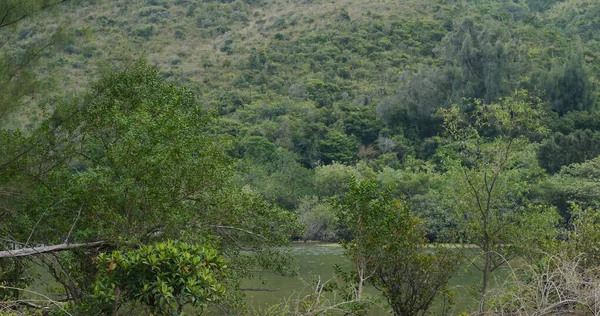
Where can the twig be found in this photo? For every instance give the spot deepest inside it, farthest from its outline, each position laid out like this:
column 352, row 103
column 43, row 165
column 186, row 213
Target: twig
column 35, row 293
column 73, row 226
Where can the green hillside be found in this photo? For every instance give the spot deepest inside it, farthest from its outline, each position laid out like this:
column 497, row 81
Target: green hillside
column 480, row 117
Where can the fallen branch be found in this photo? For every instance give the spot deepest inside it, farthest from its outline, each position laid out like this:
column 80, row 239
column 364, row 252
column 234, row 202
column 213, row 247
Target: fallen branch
column 45, row 249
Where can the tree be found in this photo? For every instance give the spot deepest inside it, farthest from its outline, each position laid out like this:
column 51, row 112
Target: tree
column 275, row 174
column 568, row 85
column 562, row 150
column 331, row 180
column 488, row 181
column 318, row 218
column 104, row 158
column 576, row 183
column 17, row 74
column 485, row 57
column 133, row 163
column 387, row 248
column 338, row 147
column 362, row 123
column 413, row 106
column 480, row 59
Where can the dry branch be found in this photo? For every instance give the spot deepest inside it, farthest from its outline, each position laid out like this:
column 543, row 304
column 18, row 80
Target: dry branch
column 46, row 249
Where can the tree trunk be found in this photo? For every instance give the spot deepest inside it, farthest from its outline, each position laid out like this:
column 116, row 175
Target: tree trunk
column 486, row 276
column 116, row 305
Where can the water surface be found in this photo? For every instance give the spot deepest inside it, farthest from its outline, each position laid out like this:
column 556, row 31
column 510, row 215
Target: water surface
column 315, row 260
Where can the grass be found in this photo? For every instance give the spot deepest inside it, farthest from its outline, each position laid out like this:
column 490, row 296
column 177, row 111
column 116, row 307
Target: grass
column 106, row 35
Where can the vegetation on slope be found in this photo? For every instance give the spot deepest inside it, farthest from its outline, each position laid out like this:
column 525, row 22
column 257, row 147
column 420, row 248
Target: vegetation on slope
column 480, row 117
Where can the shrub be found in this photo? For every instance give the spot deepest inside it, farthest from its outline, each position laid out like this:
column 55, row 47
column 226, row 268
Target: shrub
column 164, row 277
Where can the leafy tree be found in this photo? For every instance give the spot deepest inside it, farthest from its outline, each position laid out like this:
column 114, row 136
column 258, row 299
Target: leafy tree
column 440, row 222
column 489, row 181
column 363, row 124
column 276, row 175
column 408, row 182
column 259, row 149
column 486, row 57
column 416, row 100
column 561, row 150
column 133, row 163
column 331, row 180
column 577, row 19
column 387, row 245
column 479, row 60
column 307, row 140
column 568, row 85
column 322, row 92
column 338, row 147
column 576, row 183
column 387, row 248
column 318, row 218
column 575, row 120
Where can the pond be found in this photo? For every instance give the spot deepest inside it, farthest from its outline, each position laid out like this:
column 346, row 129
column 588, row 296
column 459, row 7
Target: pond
column 314, row 260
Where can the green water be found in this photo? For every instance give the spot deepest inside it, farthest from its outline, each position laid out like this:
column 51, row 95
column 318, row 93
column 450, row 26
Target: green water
column 312, row 260
column 319, row 260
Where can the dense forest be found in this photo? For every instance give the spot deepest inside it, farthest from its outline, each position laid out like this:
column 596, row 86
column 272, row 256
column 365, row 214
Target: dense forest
column 155, row 153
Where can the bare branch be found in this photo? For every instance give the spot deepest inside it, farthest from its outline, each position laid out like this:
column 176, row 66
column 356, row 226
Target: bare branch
column 74, row 222
column 39, row 220
column 35, row 293
column 45, row 249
